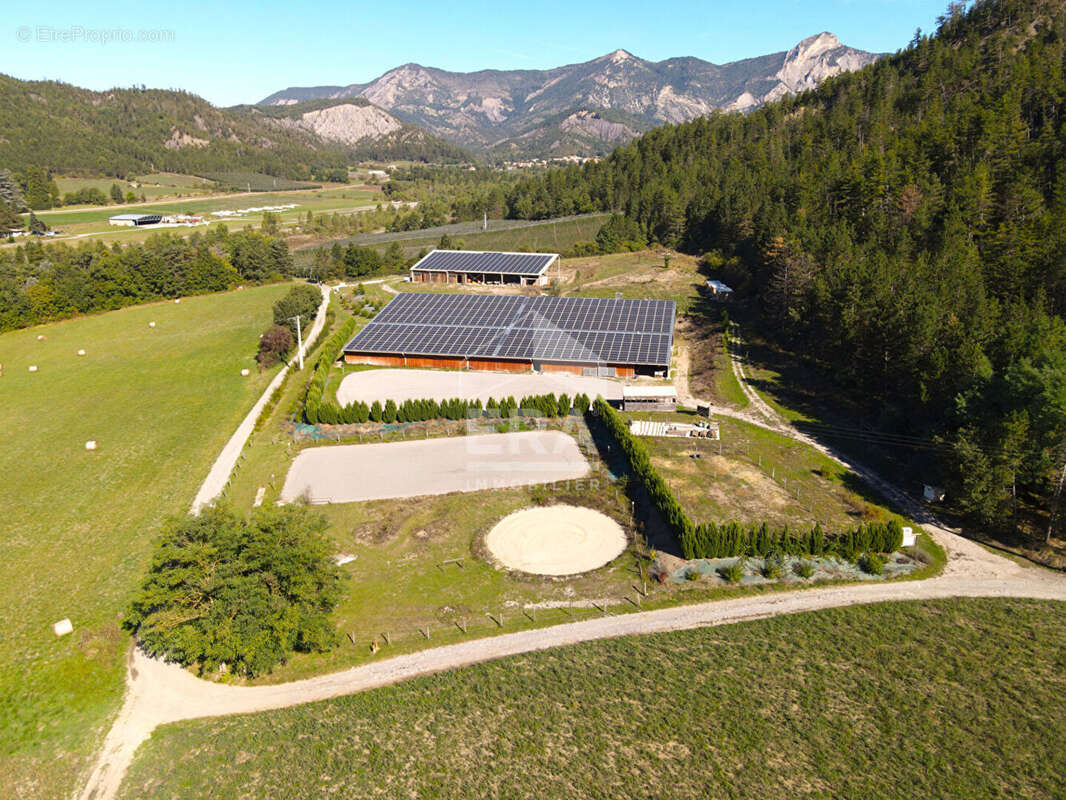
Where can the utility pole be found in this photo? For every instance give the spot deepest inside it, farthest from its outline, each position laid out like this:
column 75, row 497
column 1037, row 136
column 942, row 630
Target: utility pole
column 299, row 341
column 1055, row 505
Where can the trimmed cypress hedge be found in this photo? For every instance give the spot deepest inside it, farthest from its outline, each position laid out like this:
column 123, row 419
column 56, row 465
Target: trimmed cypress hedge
column 330, row 413
column 640, row 461
column 313, row 405
column 710, row 540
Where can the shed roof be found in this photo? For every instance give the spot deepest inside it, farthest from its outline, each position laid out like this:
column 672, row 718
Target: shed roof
column 136, row 217
column 492, row 262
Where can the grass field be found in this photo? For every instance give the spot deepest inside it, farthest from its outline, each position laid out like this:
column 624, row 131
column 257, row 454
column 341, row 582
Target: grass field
column 950, row 699
column 639, row 275
column 548, row 236
column 151, row 186
column 78, row 525
column 317, row 200
column 754, row 475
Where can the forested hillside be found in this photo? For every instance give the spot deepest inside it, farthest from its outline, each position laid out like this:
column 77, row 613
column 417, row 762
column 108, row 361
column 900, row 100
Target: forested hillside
column 123, row 132
column 905, row 225
column 40, row 283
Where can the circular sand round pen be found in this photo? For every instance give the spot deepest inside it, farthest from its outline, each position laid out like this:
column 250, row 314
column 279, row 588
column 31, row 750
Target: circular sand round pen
column 556, row 540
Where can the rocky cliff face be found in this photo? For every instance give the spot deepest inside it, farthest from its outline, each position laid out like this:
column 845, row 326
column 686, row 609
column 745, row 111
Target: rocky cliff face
column 346, row 123
column 587, row 108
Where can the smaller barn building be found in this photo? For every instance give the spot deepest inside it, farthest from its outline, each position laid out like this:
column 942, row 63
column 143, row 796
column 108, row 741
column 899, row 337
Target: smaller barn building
column 649, row 398
column 470, row 266
column 132, row 220
column 719, row 291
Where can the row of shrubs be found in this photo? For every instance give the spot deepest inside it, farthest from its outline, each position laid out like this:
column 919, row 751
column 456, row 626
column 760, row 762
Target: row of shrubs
column 548, row 405
column 710, row 540
column 640, row 462
column 326, row 356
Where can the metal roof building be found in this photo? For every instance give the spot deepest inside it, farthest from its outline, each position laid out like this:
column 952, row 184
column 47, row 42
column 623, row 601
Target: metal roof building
column 584, row 336
column 135, row 219
column 471, row 266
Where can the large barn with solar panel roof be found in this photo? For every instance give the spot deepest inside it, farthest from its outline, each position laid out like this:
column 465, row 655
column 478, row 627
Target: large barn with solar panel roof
column 467, row 266
column 583, row 336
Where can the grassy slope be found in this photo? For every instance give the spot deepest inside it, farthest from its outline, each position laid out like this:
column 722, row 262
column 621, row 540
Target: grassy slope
column 77, row 525
column 549, row 236
column 754, row 475
column 959, row 699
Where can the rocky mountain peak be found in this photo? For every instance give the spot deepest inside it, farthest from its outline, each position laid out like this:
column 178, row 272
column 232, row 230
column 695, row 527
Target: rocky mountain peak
column 619, row 56
column 813, row 46
column 813, row 60
column 543, row 112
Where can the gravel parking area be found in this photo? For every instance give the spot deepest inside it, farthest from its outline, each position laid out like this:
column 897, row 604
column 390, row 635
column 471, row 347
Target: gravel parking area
column 424, row 384
column 352, row 473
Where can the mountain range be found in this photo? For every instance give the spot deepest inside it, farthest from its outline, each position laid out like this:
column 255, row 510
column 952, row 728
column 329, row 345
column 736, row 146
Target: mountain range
column 581, row 109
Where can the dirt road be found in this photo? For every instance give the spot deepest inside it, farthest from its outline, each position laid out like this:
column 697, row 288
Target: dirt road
column 216, row 479
column 159, row 693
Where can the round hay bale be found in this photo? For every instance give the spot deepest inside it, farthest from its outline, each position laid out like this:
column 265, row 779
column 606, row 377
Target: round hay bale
column 41, row 337
column 177, row 299
column 245, row 372
column 63, row 627
column 91, row 444
column 81, row 352
column 151, row 324
column 33, row 367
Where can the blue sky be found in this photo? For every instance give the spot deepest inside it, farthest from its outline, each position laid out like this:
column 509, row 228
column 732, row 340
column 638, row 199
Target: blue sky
column 240, row 51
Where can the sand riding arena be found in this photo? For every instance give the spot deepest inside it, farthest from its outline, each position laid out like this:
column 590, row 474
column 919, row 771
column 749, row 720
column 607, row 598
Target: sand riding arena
column 555, row 540
column 354, row 473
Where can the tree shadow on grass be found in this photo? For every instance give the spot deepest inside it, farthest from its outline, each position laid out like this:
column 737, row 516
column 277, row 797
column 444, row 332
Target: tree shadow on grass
column 646, row 516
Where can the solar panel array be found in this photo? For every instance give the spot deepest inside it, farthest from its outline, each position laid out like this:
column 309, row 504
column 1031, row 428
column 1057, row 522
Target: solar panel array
column 496, row 263
column 566, row 329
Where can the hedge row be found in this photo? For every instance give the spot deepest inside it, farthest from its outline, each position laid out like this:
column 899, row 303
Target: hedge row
column 640, row 462
column 329, row 353
column 722, row 541
column 547, row 405
column 710, row 540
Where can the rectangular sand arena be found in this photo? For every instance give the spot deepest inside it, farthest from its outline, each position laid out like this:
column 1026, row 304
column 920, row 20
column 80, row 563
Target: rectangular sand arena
column 353, row 473
column 427, row 384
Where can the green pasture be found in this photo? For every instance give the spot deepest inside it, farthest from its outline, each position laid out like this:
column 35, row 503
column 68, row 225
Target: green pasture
column 78, row 525
column 961, row 699
column 164, row 186
column 317, row 200
column 753, row 475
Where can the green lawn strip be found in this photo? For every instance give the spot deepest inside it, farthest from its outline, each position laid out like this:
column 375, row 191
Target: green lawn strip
column 548, row 236
column 726, row 385
column 78, row 525
column 791, row 481
column 956, row 698
column 313, row 200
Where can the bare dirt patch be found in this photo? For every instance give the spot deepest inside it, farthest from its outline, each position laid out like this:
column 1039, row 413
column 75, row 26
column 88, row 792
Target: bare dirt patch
column 556, row 540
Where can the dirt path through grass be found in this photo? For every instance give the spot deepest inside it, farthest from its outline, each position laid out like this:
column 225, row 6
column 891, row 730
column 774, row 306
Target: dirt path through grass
column 216, row 479
column 159, row 693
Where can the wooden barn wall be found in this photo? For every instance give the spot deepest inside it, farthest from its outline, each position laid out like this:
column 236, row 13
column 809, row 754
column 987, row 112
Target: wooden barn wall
column 482, row 364
column 491, row 365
